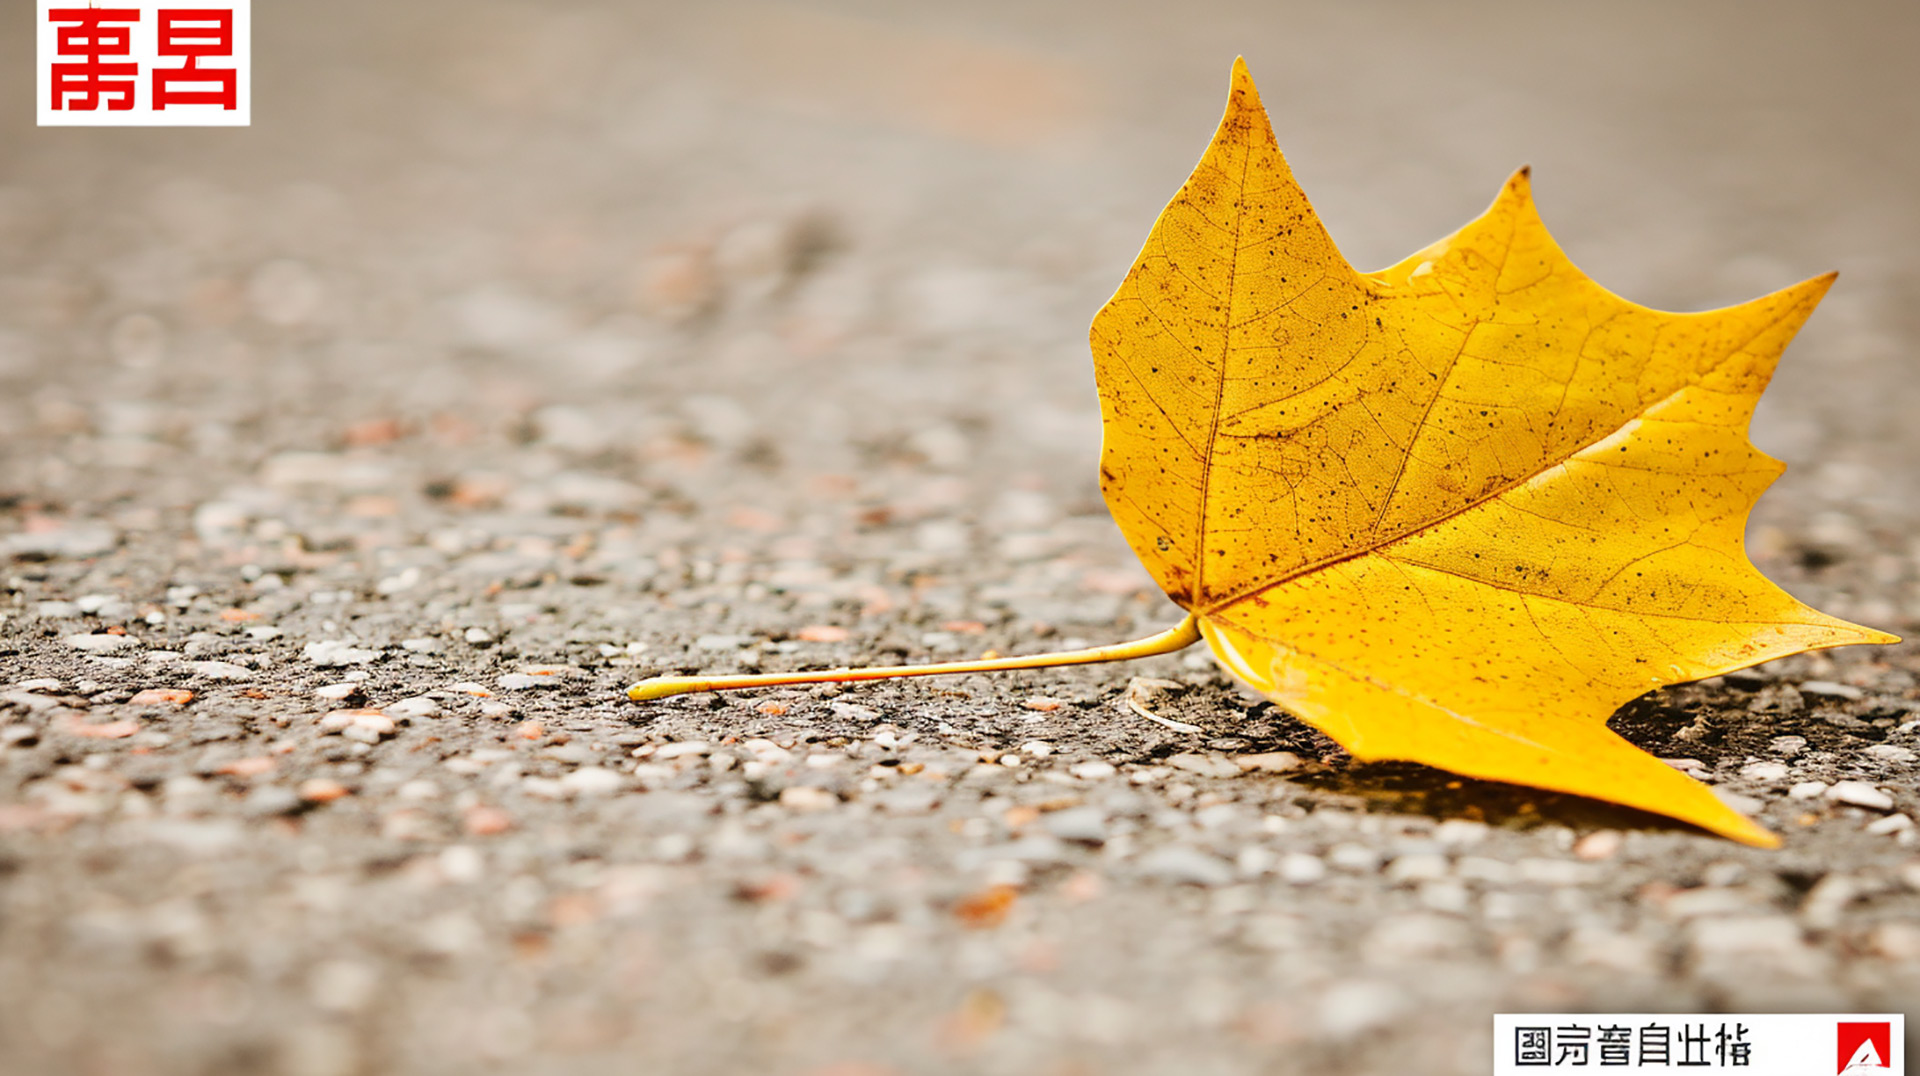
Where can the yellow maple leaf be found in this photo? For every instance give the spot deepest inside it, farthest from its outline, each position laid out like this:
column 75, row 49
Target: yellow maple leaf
column 1457, row 511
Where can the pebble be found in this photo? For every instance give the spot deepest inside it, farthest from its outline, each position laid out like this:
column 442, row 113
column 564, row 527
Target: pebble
column 268, row 800
column 219, row 670
column 417, row 706
column 1088, row 825
column 1598, row 845
column 1458, row 831
column 103, row 643
column 332, row 653
column 682, row 749
column 526, row 682
column 1893, row 823
column 338, row 692
column 44, row 683
column 1092, row 771
column 478, row 637
column 1268, row 762
column 1301, row 868
column 1764, row 771
column 1185, row 864
column 161, row 696
column 363, row 726
column 1830, row 690
column 807, row 798
column 1349, row 856
column 1807, row 790
column 1204, row 765
column 1787, row 745
column 1417, row 867
column 1887, row 752
column 487, row 821
column 321, row 790
column 593, row 781
column 1859, row 794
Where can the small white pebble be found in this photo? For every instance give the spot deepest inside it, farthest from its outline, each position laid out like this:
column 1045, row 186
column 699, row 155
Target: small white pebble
column 1092, row 771
column 1860, row 794
column 1353, row 857
column 417, row 706
column 1893, row 823
column 593, row 781
column 683, row 749
column 1417, row 867
column 1764, row 771
column 1036, row 748
column 1830, row 689
column 1807, row 790
column 1460, row 831
column 807, row 798
column 1300, row 868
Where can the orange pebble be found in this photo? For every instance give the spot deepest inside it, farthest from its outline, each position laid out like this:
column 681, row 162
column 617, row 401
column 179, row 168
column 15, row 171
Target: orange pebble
column 246, row 767
column 160, row 696
column 986, row 909
column 488, row 821
column 321, row 790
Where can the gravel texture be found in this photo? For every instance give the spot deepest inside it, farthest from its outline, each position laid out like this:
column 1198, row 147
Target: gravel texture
column 351, row 464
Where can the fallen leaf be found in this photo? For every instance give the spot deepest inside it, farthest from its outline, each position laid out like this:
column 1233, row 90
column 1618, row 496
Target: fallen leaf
column 1457, row 511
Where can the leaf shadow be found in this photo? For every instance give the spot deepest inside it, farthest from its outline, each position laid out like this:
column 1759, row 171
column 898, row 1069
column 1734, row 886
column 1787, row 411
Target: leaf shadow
column 1656, row 723
column 1410, row 788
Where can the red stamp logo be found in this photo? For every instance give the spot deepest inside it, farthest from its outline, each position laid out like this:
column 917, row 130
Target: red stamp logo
column 1865, row 1048
column 142, row 63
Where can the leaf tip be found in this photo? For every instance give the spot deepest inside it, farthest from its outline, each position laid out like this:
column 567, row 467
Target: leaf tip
column 1242, row 93
column 1756, row 836
column 1520, row 183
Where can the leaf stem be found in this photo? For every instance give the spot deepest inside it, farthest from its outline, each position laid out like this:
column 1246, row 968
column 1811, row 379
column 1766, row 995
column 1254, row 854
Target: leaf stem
column 1178, row 637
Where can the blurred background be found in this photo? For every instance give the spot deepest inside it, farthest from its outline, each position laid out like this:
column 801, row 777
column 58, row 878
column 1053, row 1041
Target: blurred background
column 795, row 295
column 665, row 221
